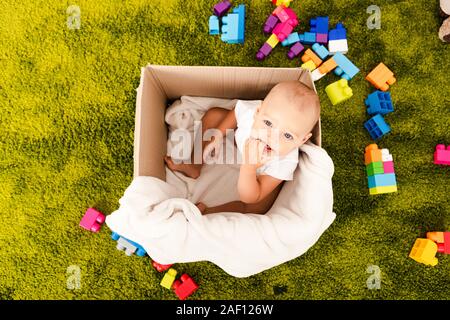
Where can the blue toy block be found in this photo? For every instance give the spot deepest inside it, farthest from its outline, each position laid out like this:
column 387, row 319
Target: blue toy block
column 233, row 26
column 129, row 246
column 381, row 180
column 319, row 25
column 214, row 25
column 379, row 102
column 345, row 69
column 321, row 51
column 377, row 127
column 291, row 39
column 307, row 38
column 339, row 33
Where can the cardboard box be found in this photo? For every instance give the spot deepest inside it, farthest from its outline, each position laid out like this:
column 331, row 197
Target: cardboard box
column 161, row 85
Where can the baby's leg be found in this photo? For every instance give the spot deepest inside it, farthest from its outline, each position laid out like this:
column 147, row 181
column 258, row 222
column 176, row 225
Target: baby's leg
column 238, row 206
column 211, row 119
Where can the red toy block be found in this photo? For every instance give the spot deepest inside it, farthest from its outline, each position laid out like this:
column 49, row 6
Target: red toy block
column 185, row 287
column 92, row 220
column 388, row 167
column 442, row 155
column 160, row 267
column 282, row 30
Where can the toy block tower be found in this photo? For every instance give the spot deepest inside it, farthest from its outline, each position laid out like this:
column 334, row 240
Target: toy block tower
column 380, row 170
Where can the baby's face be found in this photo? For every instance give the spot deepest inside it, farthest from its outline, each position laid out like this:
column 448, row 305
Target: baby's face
column 281, row 125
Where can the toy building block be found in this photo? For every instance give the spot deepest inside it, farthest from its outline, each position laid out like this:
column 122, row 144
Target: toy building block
column 308, row 38
column 377, row 126
column 388, row 167
column 214, row 25
column 169, row 278
column 424, row 251
column 375, row 168
column 309, row 65
column 273, row 41
column 130, row 247
column 338, row 33
column 335, row 46
column 442, row 239
column 326, row 67
column 442, row 155
column 92, row 220
column 381, row 77
column 285, row 3
column 263, row 52
column 320, row 50
column 379, row 102
column 286, row 15
column 233, row 26
column 221, row 8
column 295, row 50
column 270, row 23
column 385, row 155
column 160, row 267
column 310, row 55
column 382, row 180
column 184, row 287
column 382, row 190
column 345, row 68
column 319, row 26
column 317, row 75
column 283, row 30
column 291, row 39
column 338, row 91
column 372, row 154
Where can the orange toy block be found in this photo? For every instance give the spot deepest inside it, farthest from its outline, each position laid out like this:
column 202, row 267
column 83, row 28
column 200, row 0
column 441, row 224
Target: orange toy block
column 372, row 154
column 309, row 55
column 328, row 66
column 381, row 77
column 442, row 239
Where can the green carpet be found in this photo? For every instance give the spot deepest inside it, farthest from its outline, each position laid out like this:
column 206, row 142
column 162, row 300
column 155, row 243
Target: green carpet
column 67, row 102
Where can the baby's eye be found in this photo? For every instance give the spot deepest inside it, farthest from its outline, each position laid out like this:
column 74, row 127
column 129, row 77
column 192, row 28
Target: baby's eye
column 267, row 123
column 288, row 136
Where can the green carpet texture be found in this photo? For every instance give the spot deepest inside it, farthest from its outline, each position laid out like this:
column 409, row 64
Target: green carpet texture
column 67, row 110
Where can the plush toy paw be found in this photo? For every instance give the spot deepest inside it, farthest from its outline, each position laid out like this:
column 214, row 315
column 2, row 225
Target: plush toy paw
column 445, row 8
column 444, row 31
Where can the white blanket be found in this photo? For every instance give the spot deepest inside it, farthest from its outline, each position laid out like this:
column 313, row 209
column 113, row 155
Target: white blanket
column 162, row 217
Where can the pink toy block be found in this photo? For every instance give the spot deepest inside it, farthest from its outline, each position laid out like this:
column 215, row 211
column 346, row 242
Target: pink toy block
column 388, row 167
column 92, row 220
column 283, row 30
column 442, row 155
column 286, row 15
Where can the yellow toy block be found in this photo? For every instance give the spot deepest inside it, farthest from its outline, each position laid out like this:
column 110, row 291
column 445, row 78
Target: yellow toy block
column 273, row 40
column 338, row 91
column 169, row 278
column 309, row 65
column 424, row 251
column 285, row 3
column 384, row 189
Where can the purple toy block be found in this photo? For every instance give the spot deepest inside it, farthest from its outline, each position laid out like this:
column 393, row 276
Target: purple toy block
column 283, row 30
column 270, row 24
column 263, row 52
column 442, row 155
column 295, row 50
column 92, row 220
column 388, row 167
column 322, row 38
column 221, row 8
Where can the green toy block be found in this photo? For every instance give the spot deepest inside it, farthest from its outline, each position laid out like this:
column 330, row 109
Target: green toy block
column 339, row 91
column 169, row 278
column 374, row 168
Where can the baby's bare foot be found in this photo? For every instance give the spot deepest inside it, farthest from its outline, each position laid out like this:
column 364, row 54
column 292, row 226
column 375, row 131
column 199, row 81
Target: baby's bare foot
column 202, row 207
column 189, row 170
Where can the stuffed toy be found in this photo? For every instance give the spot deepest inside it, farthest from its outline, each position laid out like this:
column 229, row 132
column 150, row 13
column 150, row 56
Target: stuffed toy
column 444, row 31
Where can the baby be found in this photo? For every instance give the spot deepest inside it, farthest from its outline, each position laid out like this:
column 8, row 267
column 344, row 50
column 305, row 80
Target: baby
column 268, row 134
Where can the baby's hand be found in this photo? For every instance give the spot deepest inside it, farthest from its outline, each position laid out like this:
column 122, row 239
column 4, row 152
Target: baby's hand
column 212, row 149
column 254, row 153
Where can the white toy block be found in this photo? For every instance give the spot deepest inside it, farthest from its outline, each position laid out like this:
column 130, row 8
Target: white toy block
column 335, row 46
column 317, row 75
column 123, row 244
column 385, row 155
